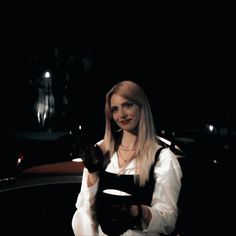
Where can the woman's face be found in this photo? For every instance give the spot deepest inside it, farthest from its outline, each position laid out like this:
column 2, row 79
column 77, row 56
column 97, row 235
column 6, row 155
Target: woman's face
column 125, row 113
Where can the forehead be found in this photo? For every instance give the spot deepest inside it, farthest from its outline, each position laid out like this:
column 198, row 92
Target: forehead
column 117, row 100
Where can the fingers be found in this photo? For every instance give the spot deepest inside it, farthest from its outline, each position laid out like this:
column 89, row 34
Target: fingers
column 134, row 210
column 92, row 157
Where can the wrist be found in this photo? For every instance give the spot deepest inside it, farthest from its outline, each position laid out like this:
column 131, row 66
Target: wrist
column 145, row 213
column 92, row 179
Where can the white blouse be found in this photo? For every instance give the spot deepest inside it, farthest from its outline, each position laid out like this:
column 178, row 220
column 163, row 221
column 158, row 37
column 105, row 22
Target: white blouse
column 163, row 208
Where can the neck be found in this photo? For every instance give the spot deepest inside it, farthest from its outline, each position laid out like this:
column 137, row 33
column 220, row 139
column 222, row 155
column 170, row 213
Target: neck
column 127, row 148
column 129, row 141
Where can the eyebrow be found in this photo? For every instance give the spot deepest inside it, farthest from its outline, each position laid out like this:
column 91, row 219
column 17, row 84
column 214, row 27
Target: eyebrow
column 124, row 103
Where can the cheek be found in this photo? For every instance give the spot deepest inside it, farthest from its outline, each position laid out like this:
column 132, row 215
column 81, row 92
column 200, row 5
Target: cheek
column 114, row 116
column 135, row 116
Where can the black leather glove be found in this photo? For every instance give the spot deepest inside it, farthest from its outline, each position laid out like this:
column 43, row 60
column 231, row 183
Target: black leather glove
column 118, row 215
column 92, row 157
column 129, row 215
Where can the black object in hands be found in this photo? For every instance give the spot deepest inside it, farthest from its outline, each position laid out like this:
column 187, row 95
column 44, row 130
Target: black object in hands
column 123, row 215
column 118, row 215
column 92, row 157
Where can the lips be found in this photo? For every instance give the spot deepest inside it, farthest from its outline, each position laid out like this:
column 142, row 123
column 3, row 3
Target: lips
column 124, row 122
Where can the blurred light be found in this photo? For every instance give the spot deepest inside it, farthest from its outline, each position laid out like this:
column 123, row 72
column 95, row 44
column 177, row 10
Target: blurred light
column 47, row 74
column 7, row 179
column 45, row 102
column 226, row 146
column 20, row 158
column 77, row 160
column 164, row 140
column 211, row 127
column 163, row 131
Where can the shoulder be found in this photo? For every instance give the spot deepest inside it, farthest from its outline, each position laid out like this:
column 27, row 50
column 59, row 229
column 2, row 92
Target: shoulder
column 101, row 145
column 167, row 160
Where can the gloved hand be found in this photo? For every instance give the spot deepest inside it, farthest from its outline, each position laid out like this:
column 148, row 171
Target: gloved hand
column 130, row 215
column 140, row 212
column 136, row 212
column 118, row 216
column 92, row 157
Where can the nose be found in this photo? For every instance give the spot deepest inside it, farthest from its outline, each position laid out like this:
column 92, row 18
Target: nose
column 122, row 113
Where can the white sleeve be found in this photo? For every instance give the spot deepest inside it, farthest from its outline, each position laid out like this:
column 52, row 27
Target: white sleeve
column 83, row 222
column 163, row 208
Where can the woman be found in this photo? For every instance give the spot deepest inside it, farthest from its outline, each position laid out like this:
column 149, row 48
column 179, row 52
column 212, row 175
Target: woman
column 130, row 183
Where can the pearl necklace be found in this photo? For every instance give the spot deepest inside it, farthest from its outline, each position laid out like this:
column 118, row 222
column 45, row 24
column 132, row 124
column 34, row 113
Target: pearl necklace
column 125, row 160
column 127, row 149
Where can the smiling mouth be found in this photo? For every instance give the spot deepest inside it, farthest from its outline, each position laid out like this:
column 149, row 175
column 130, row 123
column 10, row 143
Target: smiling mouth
column 125, row 122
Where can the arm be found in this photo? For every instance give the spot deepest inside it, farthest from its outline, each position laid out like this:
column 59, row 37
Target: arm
column 93, row 160
column 83, row 222
column 92, row 179
column 162, row 214
column 83, row 219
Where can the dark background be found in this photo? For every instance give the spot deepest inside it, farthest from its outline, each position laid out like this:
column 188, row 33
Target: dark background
column 184, row 60
column 182, row 56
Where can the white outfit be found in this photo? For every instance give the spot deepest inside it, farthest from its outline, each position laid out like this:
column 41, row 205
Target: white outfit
column 163, row 208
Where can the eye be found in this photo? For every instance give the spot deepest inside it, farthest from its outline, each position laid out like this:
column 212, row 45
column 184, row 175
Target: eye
column 128, row 104
column 114, row 109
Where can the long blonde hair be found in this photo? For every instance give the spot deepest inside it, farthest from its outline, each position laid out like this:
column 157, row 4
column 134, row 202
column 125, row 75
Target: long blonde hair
column 146, row 146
